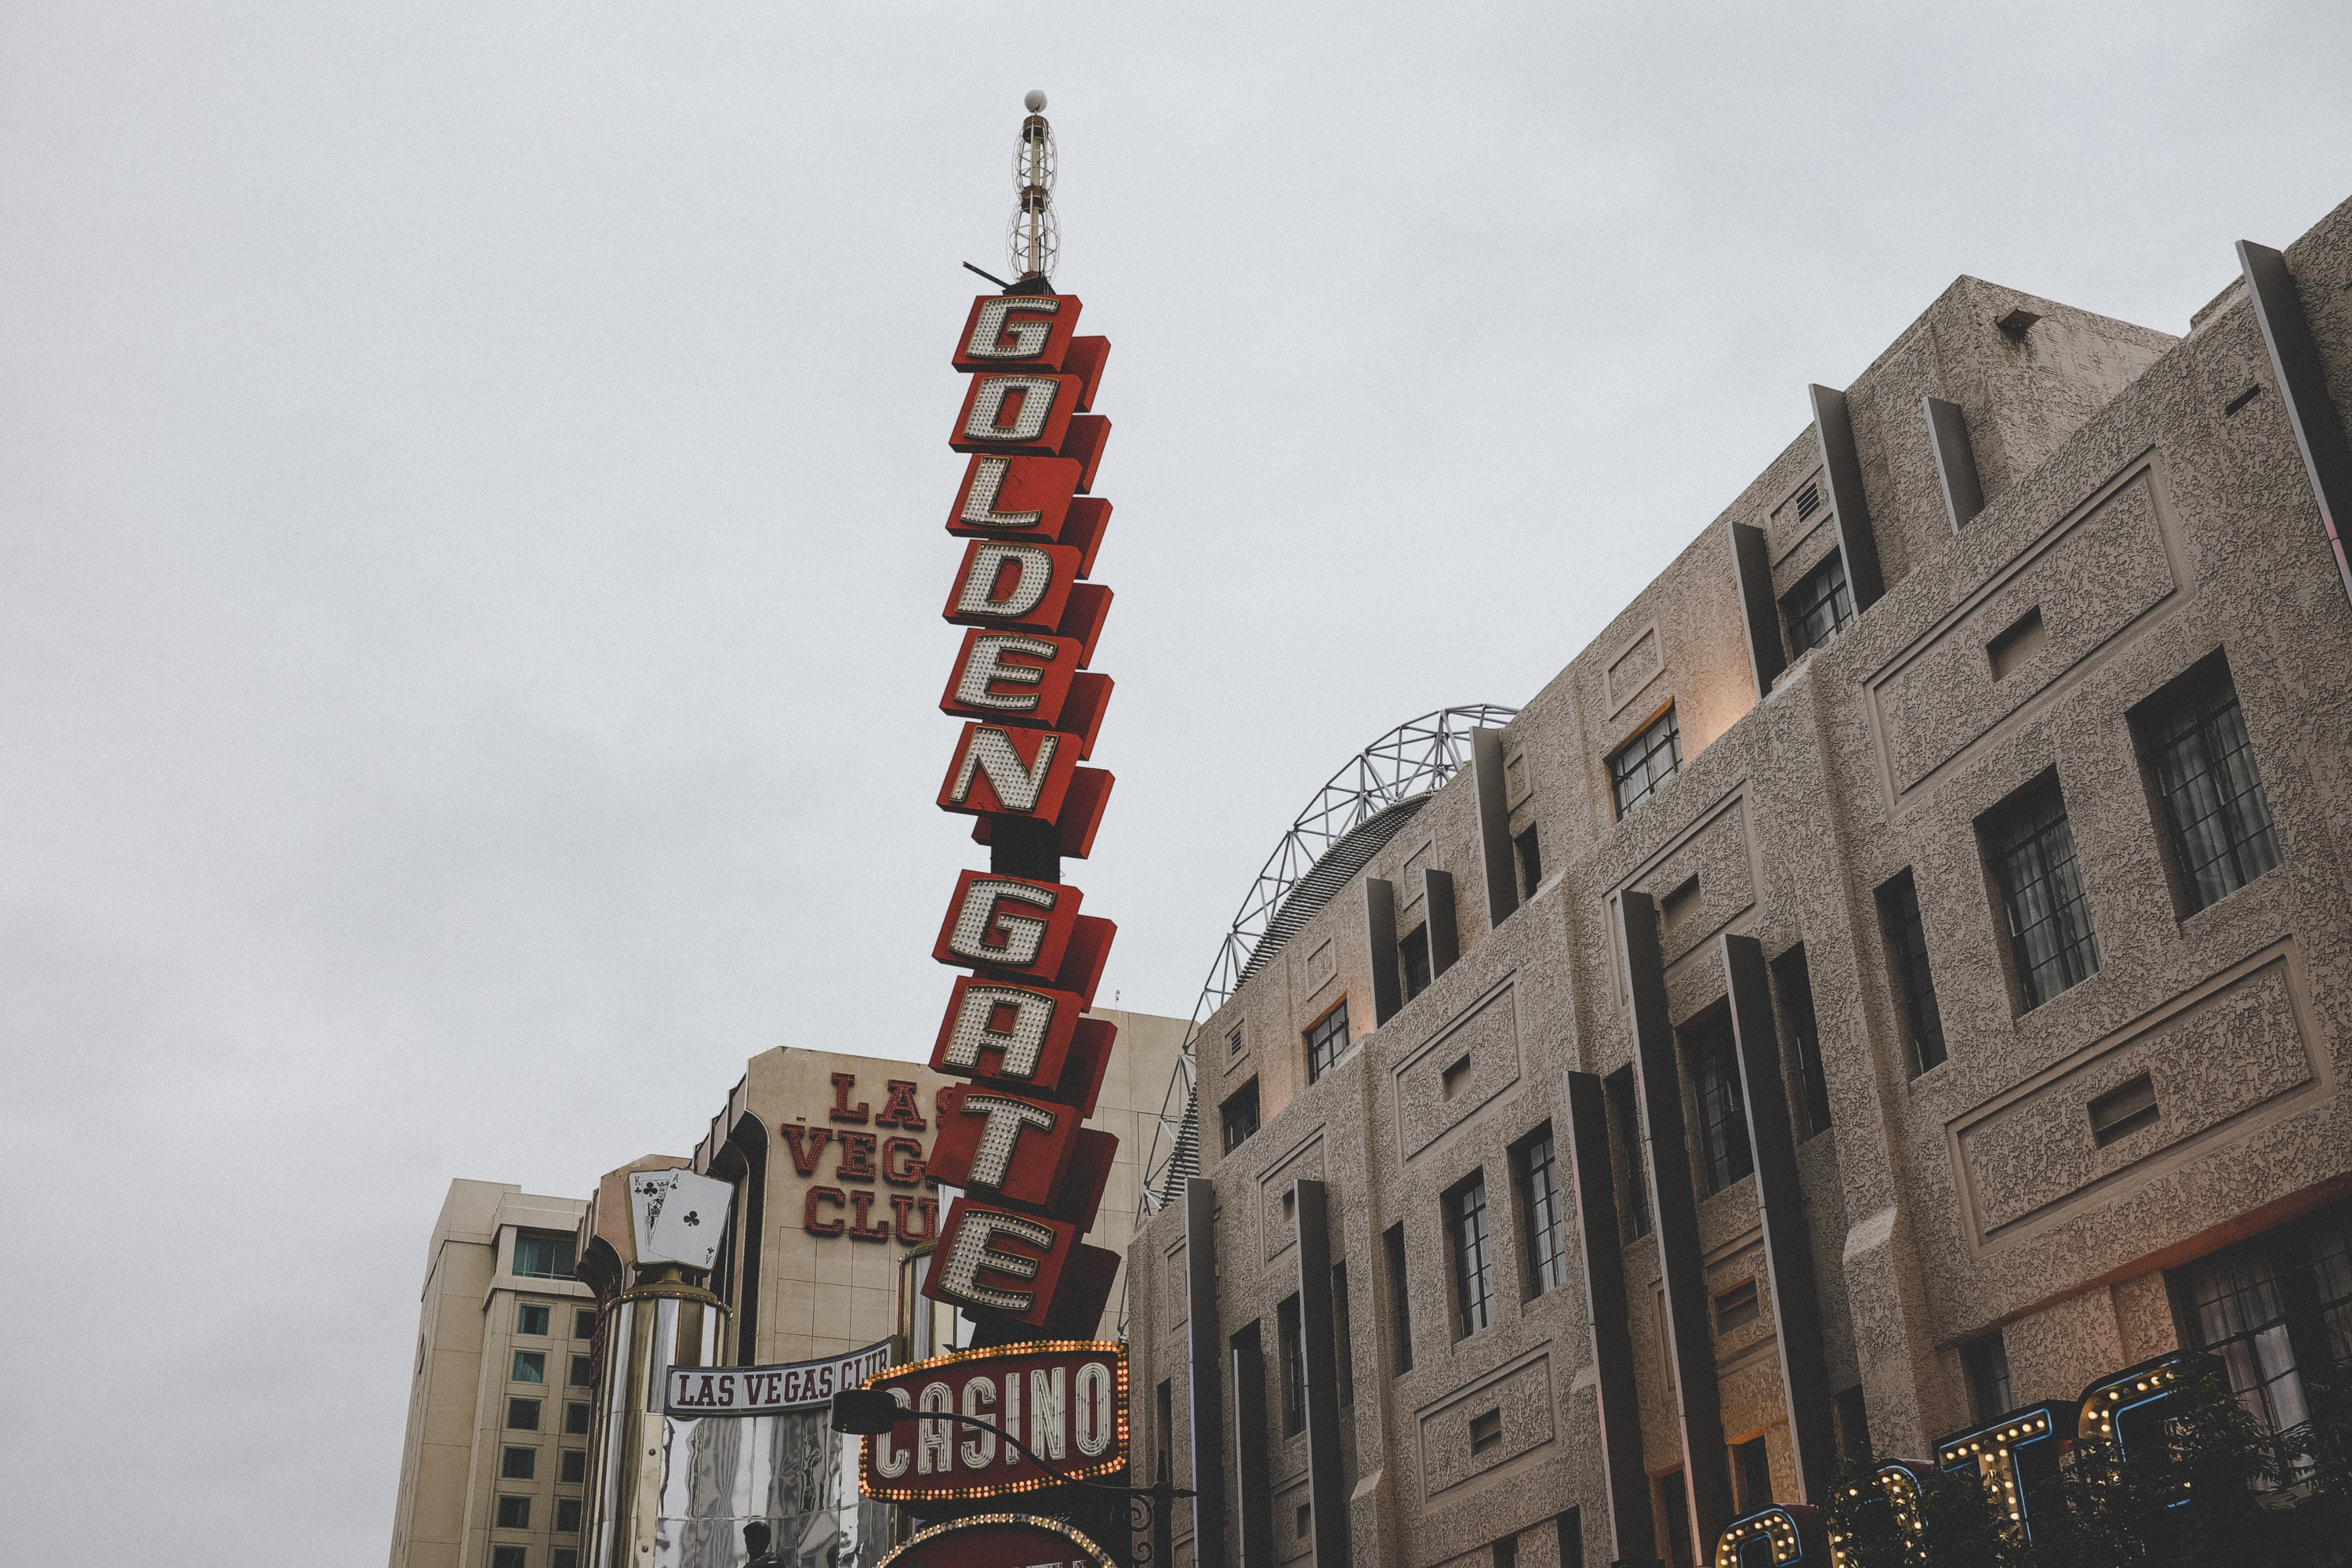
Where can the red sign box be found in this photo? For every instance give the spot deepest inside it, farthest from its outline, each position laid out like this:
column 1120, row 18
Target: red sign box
column 1018, row 1034
column 1065, row 1398
column 1027, row 331
column 1015, row 677
column 1003, row 1144
column 1023, row 414
column 1016, row 582
column 1010, row 923
column 998, row 1264
column 1001, row 770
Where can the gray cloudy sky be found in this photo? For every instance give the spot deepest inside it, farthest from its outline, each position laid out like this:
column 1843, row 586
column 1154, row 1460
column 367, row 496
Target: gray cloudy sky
column 470, row 486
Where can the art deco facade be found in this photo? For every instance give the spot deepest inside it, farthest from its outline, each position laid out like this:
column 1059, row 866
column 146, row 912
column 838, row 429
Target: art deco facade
column 1899, row 970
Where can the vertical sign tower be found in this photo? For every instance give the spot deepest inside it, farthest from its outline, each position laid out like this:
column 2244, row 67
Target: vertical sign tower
column 1012, row 1253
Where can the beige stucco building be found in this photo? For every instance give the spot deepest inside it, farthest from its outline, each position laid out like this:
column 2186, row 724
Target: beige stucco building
column 494, row 1466
column 1899, row 970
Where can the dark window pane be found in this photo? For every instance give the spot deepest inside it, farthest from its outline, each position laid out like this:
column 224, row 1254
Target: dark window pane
column 2240, row 1315
column 561, row 1557
column 575, row 1467
column 1343, row 1332
column 1572, row 1540
column 1238, row 1116
column 1400, row 1296
column 531, row 1319
column 2213, row 796
column 514, row 1514
column 2041, row 889
column 567, row 1514
column 1722, row 1115
column 582, row 1373
column 1794, row 981
column 510, row 1557
column 575, row 1420
column 1675, row 1498
column 1986, row 1362
column 1540, row 1200
column 1412, row 952
column 1645, row 761
column 523, row 1415
column 518, row 1464
column 1820, row 606
column 1465, row 1223
column 1292, row 1348
column 1530, row 862
column 583, row 1324
column 1327, row 1042
column 1751, row 1473
column 1625, row 1132
column 543, row 1256
column 1915, row 983
column 530, row 1366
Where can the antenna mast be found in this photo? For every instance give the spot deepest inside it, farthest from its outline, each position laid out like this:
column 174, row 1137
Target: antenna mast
column 1034, row 238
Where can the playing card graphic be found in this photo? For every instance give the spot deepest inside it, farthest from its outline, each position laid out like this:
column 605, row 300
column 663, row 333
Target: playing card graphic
column 679, row 1216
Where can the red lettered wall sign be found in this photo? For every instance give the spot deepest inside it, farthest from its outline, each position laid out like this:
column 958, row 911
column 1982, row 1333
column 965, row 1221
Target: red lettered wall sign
column 1012, row 1252
column 1067, row 1399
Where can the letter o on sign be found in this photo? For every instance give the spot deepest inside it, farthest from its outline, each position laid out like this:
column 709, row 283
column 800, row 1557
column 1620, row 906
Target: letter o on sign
column 1091, row 1414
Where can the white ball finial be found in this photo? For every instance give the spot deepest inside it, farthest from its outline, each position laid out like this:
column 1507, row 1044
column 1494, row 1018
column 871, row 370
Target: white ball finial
column 1036, row 101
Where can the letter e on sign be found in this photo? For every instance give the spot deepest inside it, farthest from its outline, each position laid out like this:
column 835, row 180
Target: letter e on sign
column 1021, row 676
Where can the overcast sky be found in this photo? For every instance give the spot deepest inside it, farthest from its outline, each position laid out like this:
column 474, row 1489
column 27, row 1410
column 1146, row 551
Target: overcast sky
column 470, row 488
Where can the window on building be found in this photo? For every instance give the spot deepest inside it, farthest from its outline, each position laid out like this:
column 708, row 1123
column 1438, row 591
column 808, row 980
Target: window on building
column 1986, row 1363
column 1818, row 606
column 1507, row 1552
column 575, row 1420
column 583, row 1324
column 511, row 1557
column 1290, row 1347
column 2124, row 1110
column 1474, row 1278
column 1737, row 1307
column 1344, row 1348
column 1625, row 1138
column 1852, row 1422
column 1722, row 1114
column 1645, row 761
column 563, row 1557
column 1674, row 1499
column 2265, row 1304
column 514, row 1514
column 574, row 1470
column 1793, row 980
column 1413, row 956
column 567, row 1515
column 523, row 1415
column 1164, row 1426
column 1915, row 983
column 1751, row 1475
column 530, row 1366
column 1237, row 1117
column 2032, row 850
column 2194, row 739
column 1327, row 1042
column 582, row 1371
column 1530, row 854
column 531, row 1318
column 1534, row 1166
column 1572, row 1539
column 518, row 1464
column 542, row 1256
column 1399, row 1295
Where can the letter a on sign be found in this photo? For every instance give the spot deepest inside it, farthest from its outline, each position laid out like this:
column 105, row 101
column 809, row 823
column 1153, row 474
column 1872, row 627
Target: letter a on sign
column 1020, row 1033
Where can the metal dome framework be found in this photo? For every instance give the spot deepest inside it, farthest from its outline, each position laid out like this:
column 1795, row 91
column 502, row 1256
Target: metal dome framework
column 1346, row 821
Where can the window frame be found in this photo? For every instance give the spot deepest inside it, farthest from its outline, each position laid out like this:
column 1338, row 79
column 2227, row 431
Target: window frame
column 514, row 1406
column 1394, row 1265
column 2031, row 831
column 510, row 1456
column 1910, row 972
column 1227, row 1108
column 1711, row 1061
column 2207, row 693
column 1413, row 964
column 1984, row 1365
column 1290, row 1355
column 570, row 1244
column 1319, row 1034
column 1667, row 727
column 536, row 1360
column 1544, row 1226
column 1793, row 994
column 1629, row 1164
column 546, row 1320
column 1469, row 1249
column 1835, row 595
column 586, row 1415
column 511, row 1503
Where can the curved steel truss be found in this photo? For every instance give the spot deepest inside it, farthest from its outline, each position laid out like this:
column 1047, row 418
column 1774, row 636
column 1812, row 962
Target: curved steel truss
column 1362, row 806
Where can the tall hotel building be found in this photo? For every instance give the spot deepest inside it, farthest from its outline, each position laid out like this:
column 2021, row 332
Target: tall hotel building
column 1898, row 970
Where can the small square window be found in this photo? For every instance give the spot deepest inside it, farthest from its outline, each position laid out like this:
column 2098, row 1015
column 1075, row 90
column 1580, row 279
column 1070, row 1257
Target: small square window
column 518, row 1464
column 575, row 1420
column 2120, row 1112
column 567, row 1515
column 563, row 1557
column 583, row 1324
column 1507, row 1552
column 1486, row 1431
column 523, row 1415
column 514, row 1514
column 582, row 1371
column 511, row 1557
column 1233, row 1042
column 1639, row 767
column 1820, row 606
column 1412, row 952
column 530, row 1366
column 574, row 1470
column 531, row 1318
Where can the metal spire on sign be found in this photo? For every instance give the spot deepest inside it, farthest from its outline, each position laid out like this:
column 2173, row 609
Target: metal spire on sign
column 1033, row 239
